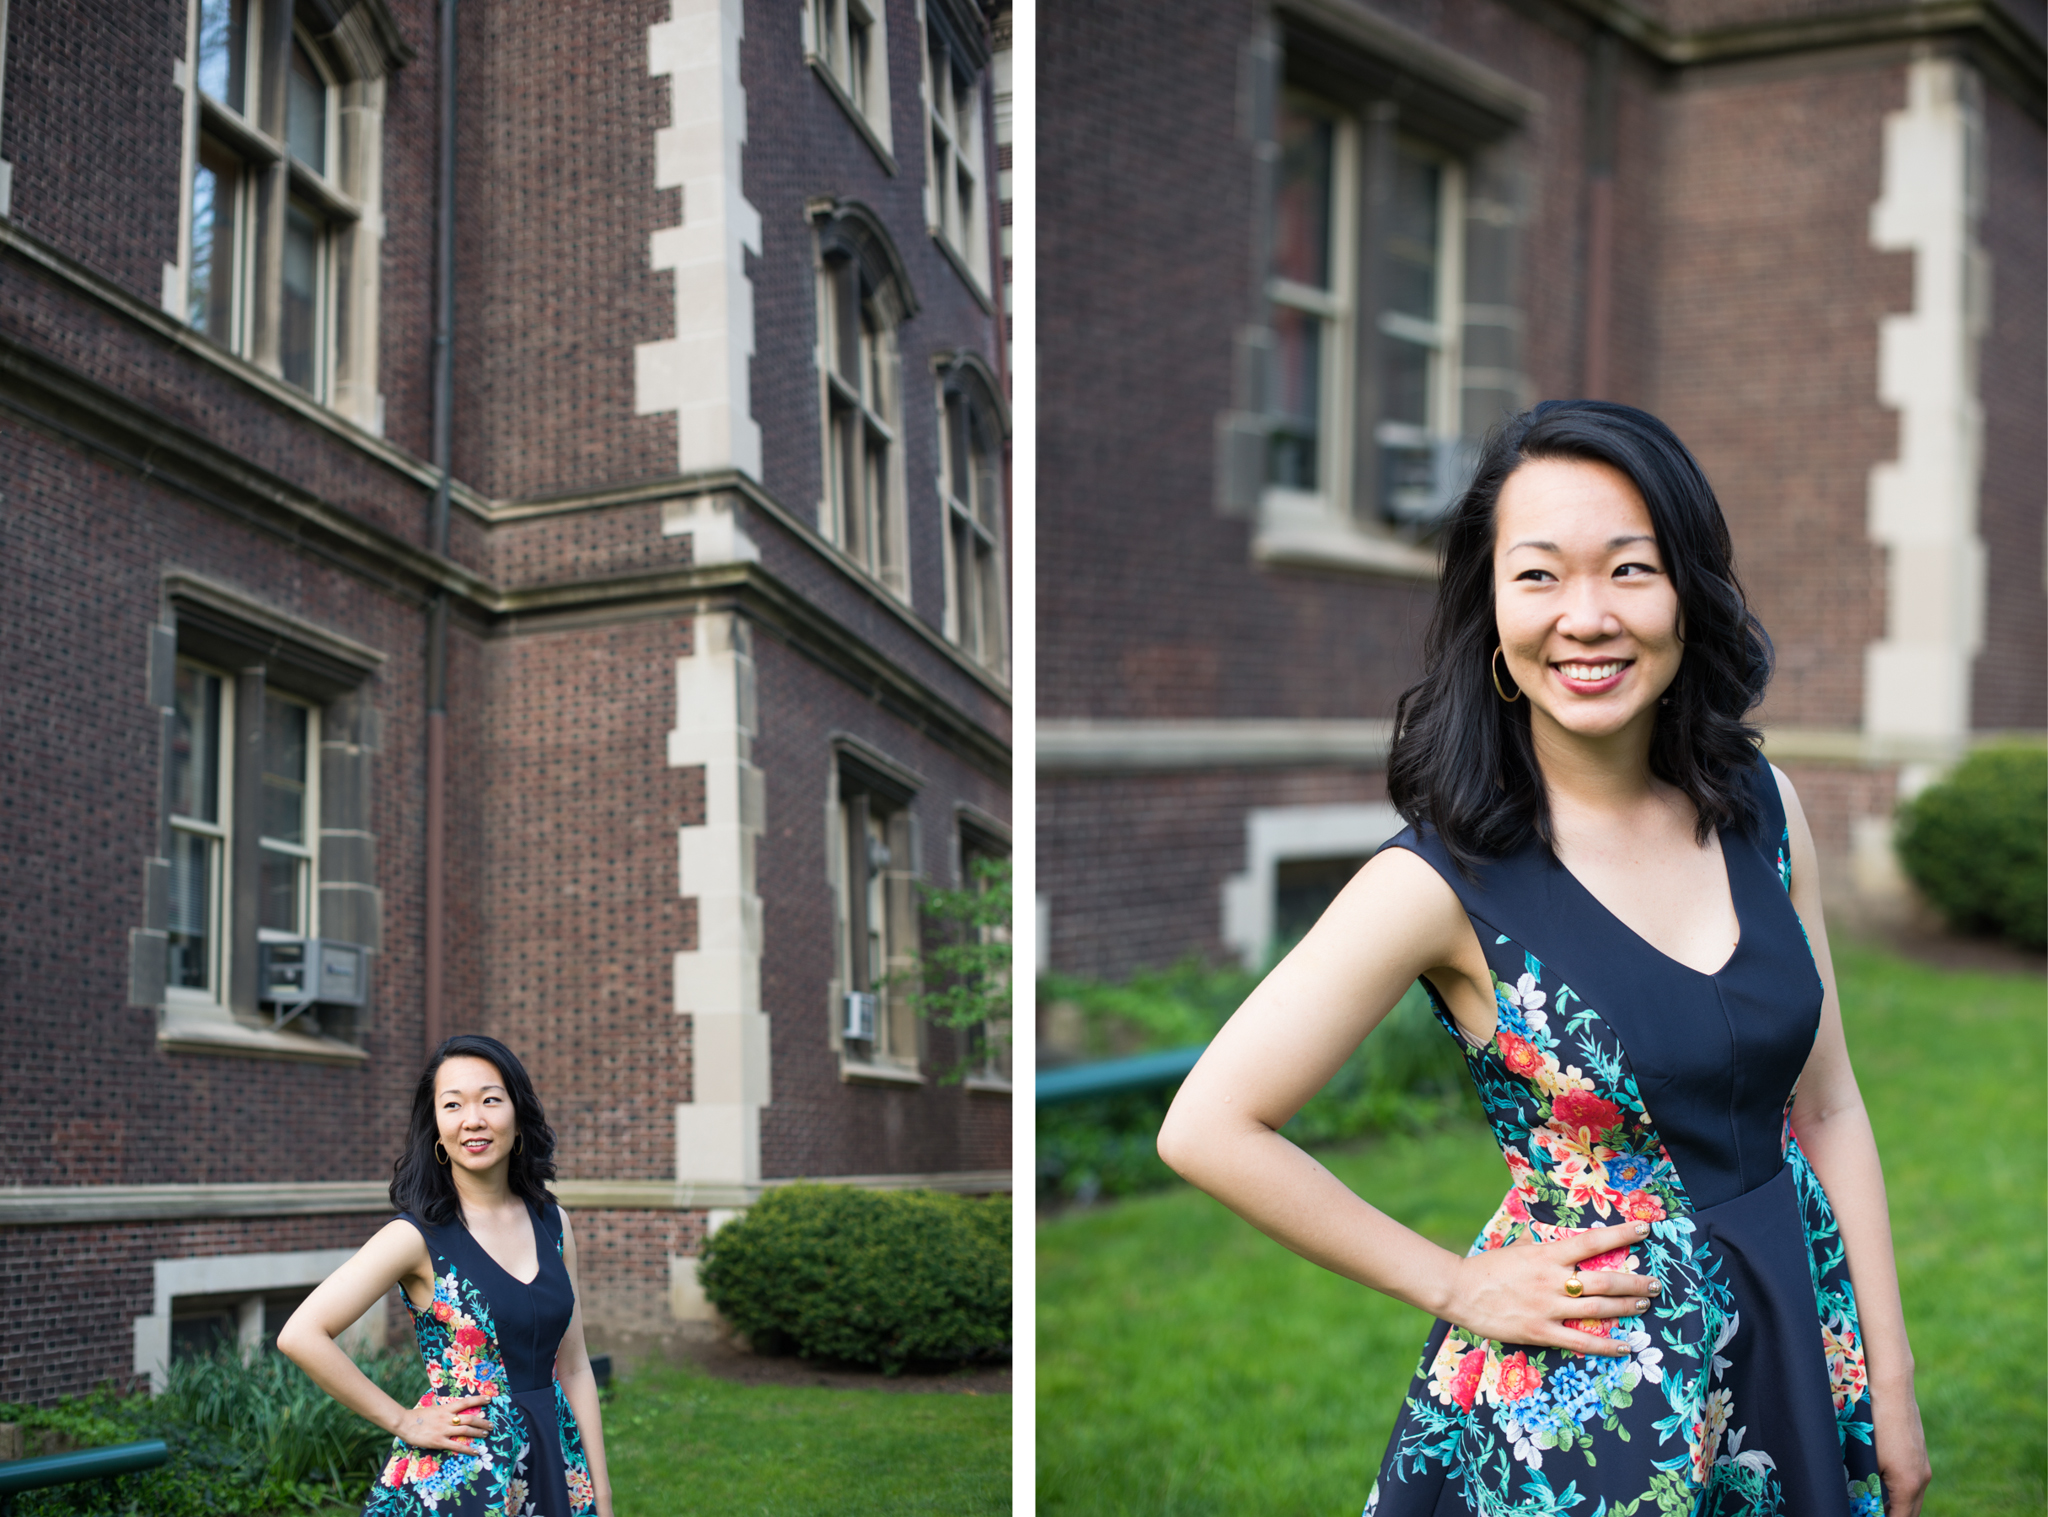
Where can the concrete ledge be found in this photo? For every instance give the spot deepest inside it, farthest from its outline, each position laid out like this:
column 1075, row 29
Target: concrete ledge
column 1086, row 745
column 1847, row 745
column 63, row 1205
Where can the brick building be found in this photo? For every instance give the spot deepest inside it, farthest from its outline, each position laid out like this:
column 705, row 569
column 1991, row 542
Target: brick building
column 626, row 736
column 1296, row 256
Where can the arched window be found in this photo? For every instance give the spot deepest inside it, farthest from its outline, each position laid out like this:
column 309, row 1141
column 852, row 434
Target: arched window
column 972, row 424
column 863, row 298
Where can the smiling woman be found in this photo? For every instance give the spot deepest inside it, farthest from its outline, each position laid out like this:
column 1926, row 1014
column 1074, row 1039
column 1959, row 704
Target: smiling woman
column 487, row 1264
column 1613, row 903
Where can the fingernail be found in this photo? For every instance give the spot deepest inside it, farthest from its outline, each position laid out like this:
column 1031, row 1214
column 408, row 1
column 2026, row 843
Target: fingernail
column 1655, row 1287
column 1642, row 1229
column 1642, row 1306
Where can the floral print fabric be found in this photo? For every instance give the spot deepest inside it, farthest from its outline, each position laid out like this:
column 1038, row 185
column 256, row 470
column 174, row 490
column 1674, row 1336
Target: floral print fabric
column 1528, row 1431
column 459, row 1342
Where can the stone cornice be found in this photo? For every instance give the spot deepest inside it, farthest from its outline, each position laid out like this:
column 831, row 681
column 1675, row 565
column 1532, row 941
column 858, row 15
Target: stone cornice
column 68, row 1205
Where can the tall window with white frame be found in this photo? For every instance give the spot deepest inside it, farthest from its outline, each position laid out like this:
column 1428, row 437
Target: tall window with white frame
column 956, row 191
column 849, row 46
column 876, row 919
column 291, row 735
column 202, row 781
column 970, row 455
column 858, row 364
column 253, row 172
column 1409, row 250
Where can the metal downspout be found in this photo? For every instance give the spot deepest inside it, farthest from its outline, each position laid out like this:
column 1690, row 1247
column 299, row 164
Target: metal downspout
column 437, row 533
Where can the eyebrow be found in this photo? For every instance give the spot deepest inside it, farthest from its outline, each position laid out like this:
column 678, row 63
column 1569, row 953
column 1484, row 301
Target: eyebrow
column 453, row 1091
column 1612, row 542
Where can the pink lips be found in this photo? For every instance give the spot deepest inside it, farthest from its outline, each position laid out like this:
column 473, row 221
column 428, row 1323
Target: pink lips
column 1596, row 686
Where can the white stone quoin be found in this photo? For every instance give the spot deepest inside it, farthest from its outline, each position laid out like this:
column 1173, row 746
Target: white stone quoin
column 1923, row 505
column 700, row 374
column 718, row 983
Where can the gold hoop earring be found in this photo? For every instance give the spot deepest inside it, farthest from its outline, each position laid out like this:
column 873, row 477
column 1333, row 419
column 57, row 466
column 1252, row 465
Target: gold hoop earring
column 518, row 1142
column 440, row 1154
column 1493, row 668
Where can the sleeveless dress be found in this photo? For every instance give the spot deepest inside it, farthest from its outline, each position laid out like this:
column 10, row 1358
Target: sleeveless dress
column 487, row 1334
column 1624, row 1086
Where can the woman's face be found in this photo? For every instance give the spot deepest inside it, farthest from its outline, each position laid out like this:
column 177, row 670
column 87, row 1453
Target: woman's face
column 473, row 1111
column 1587, row 615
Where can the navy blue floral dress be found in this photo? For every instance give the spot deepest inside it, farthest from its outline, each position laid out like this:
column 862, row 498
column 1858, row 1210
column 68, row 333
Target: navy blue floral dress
column 1624, row 1086
column 487, row 1334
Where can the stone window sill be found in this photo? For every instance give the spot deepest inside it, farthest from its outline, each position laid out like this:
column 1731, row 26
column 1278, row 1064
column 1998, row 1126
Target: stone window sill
column 1335, row 545
column 854, row 1072
column 192, row 1031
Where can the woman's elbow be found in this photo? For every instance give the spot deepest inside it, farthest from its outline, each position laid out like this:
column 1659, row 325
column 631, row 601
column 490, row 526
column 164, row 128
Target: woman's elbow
column 1178, row 1143
column 299, row 1337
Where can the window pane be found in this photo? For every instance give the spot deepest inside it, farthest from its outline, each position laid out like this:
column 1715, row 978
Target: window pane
column 306, row 112
column 878, row 911
column 1301, row 209
column 990, row 578
column 1297, row 398
column 223, row 46
column 191, row 931
column 1409, row 486
column 857, row 81
column 298, row 342
column 1404, row 381
column 195, row 746
column 278, row 891
column 209, row 300
column 1411, row 244
column 284, row 771
column 987, row 480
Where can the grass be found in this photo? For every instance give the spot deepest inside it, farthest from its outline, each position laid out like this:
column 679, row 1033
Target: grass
column 1188, row 1365
column 679, row 1441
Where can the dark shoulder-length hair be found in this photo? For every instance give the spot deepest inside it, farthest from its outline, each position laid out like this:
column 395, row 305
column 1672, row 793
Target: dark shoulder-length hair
column 1463, row 761
column 423, row 1185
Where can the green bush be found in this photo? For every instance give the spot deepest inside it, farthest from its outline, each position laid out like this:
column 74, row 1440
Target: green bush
column 875, row 1277
column 245, row 1438
column 1976, row 844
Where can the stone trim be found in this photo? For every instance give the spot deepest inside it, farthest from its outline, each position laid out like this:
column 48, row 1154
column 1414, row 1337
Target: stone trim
column 75, row 1205
column 1095, row 745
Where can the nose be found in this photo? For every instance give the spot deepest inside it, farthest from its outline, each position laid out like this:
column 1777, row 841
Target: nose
column 1587, row 614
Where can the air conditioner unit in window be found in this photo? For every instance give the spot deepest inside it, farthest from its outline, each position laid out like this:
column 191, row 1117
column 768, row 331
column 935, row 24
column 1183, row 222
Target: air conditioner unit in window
column 860, row 1016
column 296, row 974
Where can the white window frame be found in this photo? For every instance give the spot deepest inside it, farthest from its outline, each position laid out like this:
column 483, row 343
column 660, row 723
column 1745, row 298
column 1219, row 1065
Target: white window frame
column 829, row 31
column 961, row 230
column 1442, row 432
column 868, row 529
column 220, row 835
column 988, row 643
column 895, row 1055
column 307, row 853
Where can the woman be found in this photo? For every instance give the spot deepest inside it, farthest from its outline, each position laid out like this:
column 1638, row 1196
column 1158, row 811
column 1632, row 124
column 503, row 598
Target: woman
column 487, row 1263
column 1613, row 902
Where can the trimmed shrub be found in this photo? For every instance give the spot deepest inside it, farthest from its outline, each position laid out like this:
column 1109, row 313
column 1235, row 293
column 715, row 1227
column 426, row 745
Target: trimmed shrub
column 875, row 1277
column 1976, row 844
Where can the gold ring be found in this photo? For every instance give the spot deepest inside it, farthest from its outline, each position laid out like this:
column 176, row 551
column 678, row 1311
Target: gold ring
column 1573, row 1285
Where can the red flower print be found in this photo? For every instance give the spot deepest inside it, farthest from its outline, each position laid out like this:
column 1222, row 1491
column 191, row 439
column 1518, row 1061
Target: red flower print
column 488, row 1388
column 1581, row 1110
column 443, row 1311
column 1518, row 1378
column 1518, row 1209
column 471, row 1338
column 1614, row 1259
column 1641, row 1206
column 425, row 1469
column 1465, row 1384
column 1519, row 1056
column 1599, row 1327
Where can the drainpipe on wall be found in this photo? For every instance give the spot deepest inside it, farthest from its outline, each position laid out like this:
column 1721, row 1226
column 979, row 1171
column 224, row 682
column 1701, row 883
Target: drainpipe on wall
column 1599, row 308
column 437, row 532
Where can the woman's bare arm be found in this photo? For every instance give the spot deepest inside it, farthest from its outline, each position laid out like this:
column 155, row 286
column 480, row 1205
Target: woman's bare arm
column 579, row 1383
column 1834, row 1131
column 1396, row 920
column 397, row 1253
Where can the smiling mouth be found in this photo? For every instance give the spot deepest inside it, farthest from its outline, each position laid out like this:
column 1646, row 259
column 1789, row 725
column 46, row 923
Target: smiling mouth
column 1585, row 672
column 476, row 1145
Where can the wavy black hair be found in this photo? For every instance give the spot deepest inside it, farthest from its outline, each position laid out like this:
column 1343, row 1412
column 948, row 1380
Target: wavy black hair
column 423, row 1185
column 1463, row 760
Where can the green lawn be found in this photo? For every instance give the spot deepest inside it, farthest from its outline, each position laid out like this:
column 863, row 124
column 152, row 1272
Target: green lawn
column 1188, row 1365
column 681, row 1442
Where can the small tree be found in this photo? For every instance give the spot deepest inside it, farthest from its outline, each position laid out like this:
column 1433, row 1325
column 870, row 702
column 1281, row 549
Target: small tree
column 962, row 976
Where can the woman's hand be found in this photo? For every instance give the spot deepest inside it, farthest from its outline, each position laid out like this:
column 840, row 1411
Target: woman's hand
column 1518, row 1294
column 1901, row 1450
column 450, row 1424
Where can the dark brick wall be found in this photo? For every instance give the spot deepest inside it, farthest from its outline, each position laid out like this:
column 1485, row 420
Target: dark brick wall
column 1132, row 865
column 622, row 1261
column 590, row 544
column 815, row 1124
column 582, row 909
column 2011, row 684
column 557, row 203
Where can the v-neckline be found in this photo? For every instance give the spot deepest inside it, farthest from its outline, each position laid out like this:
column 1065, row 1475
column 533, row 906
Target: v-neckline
column 533, row 1225
column 1734, row 905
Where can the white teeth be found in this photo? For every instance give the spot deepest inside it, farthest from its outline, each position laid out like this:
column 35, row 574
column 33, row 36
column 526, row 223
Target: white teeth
column 1590, row 672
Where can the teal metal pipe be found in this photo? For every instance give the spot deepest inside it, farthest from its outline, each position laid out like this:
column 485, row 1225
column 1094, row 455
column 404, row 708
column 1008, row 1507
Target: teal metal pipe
column 1115, row 1077
column 83, row 1464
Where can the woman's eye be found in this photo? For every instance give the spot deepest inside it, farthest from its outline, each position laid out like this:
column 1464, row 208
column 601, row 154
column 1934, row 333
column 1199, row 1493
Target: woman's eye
column 1534, row 576
column 1633, row 571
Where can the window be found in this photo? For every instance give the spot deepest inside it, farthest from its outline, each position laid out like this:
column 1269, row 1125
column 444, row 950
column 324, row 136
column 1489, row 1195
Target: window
column 203, row 785
column 988, row 1046
column 279, row 247
column 970, row 483
column 956, row 195
column 1310, row 291
column 862, row 298
column 1422, row 467
column 848, row 48
column 877, row 847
